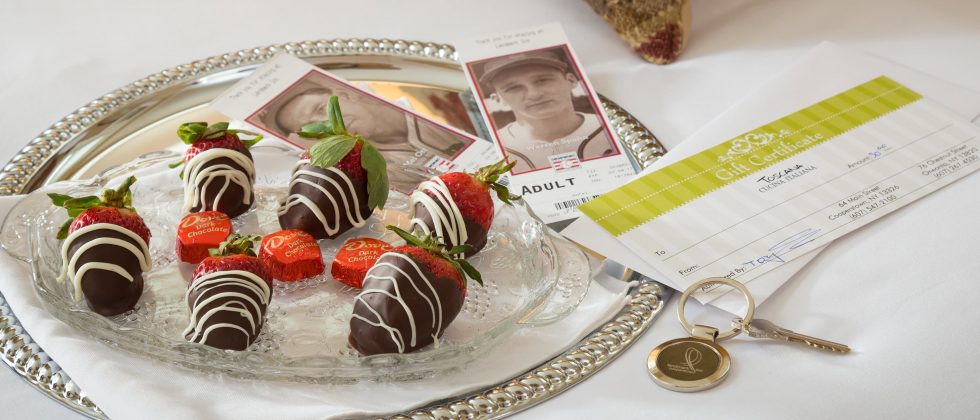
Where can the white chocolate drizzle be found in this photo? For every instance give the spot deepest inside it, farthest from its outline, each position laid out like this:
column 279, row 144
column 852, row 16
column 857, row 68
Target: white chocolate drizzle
column 252, row 292
column 197, row 172
column 447, row 219
column 435, row 307
column 76, row 274
column 350, row 208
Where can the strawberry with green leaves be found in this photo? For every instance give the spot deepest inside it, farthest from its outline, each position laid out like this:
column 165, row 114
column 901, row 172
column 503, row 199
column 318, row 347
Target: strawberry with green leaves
column 456, row 206
column 410, row 296
column 229, row 295
column 337, row 184
column 105, row 250
column 217, row 169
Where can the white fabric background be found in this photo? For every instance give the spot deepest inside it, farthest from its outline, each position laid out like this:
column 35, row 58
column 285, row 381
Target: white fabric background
column 901, row 291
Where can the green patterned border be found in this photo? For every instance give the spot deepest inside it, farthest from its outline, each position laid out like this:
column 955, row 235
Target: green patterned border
column 659, row 192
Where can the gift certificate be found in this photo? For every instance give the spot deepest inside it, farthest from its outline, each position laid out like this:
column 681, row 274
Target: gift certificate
column 751, row 203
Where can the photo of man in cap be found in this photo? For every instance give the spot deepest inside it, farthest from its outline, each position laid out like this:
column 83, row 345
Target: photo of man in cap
column 402, row 138
column 537, row 88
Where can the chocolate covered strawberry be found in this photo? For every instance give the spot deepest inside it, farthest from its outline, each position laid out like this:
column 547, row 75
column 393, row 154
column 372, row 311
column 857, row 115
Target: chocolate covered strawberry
column 410, row 296
column 228, row 296
column 106, row 249
column 218, row 170
column 456, row 206
column 337, row 183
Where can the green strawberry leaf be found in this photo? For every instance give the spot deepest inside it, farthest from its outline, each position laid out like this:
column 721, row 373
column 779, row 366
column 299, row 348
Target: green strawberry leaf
column 63, row 232
column 82, row 202
column 490, row 173
column 178, row 164
column 336, row 117
column 59, row 199
column 216, row 130
column 124, row 187
column 470, row 271
column 328, row 152
column 377, row 173
column 120, row 197
column 334, row 125
column 236, row 244
column 408, row 237
column 460, row 249
column 503, row 193
column 256, row 137
column 192, row 131
column 317, row 130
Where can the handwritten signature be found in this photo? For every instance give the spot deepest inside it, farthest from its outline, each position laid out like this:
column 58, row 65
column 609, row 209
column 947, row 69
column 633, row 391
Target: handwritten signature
column 777, row 251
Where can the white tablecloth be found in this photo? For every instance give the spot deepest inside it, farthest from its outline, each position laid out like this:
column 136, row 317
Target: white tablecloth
column 907, row 308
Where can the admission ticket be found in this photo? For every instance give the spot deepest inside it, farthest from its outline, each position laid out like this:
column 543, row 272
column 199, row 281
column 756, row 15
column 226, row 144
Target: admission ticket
column 749, row 204
column 543, row 114
column 286, row 93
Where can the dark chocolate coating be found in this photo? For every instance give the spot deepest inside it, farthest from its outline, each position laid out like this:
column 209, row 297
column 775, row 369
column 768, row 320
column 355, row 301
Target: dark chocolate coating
column 301, row 217
column 232, row 201
column 369, row 339
column 228, row 338
column 476, row 236
column 107, row 293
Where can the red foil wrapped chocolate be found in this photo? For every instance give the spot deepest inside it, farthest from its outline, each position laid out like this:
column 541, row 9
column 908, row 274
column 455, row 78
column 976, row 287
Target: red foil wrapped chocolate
column 291, row 255
column 355, row 258
column 199, row 232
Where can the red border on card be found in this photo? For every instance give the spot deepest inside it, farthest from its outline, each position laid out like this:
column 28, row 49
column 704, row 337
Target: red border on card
column 585, row 86
column 469, row 139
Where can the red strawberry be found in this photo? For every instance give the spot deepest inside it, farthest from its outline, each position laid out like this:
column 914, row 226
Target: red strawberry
column 232, row 193
column 350, row 163
column 228, row 308
column 106, row 249
column 234, row 254
column 341, row 180
column 227, row 141
column 201, row 136
column 440, row 267
column 415, row 290
column 437, row 258
column 115, row 207
column 467, row 220
column 124, row 217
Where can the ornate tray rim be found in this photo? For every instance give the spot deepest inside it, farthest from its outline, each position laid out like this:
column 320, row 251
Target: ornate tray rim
column 579, row 362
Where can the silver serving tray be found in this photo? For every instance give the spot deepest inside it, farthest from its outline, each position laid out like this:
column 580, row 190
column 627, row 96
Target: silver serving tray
column 128, row 123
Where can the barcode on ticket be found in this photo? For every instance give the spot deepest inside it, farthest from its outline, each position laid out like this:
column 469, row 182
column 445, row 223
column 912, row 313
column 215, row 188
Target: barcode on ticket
column 562, row 205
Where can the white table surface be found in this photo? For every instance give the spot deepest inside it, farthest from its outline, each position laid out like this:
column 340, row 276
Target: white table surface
column 908, row 313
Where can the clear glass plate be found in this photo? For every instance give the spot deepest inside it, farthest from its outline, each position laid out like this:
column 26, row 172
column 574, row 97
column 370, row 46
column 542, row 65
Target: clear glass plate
column 531, row 276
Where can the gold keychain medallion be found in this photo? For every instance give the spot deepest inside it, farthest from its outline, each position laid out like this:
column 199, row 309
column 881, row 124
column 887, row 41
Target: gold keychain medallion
column 698, row 362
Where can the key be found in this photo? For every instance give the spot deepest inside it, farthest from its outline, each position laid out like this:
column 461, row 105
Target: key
column 761, row 328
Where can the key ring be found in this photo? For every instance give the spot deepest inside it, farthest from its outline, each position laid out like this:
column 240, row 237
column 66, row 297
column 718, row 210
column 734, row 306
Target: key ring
column 692, row 329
